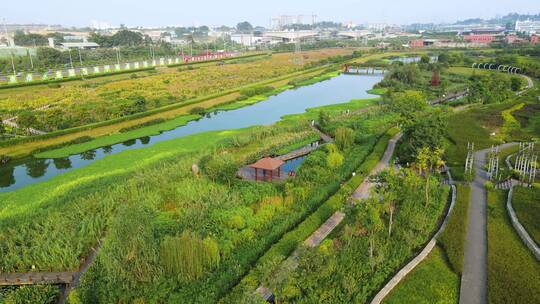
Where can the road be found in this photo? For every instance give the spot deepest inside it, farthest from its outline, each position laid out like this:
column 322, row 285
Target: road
column 474, row 278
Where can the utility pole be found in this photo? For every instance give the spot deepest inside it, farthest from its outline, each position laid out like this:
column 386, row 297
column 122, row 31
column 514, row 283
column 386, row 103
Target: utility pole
column 70, row 59
column 80, row 57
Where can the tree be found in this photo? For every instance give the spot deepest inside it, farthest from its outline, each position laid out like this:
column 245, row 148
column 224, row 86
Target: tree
column 425, row 59
column 324, row 119
column 390, row 190
column 334, row 158
column 407, row 104
column 428, row 130
column 428, row 160
column 371, row 221
column 344, row 138
column 244, row 27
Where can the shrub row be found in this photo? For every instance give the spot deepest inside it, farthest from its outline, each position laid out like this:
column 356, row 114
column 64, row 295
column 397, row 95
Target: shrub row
column 452, row 240
column 57, row 81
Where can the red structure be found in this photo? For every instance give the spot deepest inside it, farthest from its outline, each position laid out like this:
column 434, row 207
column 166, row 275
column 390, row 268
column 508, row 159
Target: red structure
column 534, row 39
column 418, row 43
column 479, row 38
column 267, row 164
column 435, row 79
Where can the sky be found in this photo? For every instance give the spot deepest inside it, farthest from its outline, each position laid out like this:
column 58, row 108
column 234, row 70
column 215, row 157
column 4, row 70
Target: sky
column 230, row 12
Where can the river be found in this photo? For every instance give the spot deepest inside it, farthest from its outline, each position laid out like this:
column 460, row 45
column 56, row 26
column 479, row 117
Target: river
column 336, row 90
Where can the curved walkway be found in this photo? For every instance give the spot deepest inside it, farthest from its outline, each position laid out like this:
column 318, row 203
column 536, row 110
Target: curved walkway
column 474, row 278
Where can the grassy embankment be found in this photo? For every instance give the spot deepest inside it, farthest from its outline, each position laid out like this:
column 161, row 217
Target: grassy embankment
column 437, row 278
column 526, row 203
column 513, row 272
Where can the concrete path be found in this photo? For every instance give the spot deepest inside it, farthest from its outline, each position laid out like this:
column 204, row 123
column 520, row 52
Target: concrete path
column 362, row 192
column 474, row 279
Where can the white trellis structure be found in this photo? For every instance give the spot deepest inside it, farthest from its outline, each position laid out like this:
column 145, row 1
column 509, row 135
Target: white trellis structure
column 526, row 163
column 469, row 162
column 493, row 164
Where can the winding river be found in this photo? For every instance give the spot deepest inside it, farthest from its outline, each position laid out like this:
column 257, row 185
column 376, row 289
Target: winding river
column 336, row 90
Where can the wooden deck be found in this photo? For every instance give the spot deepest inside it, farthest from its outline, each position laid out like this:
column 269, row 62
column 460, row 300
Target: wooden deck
column 31, row 278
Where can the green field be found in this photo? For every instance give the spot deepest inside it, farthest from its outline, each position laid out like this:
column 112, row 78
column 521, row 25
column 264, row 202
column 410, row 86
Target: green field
column 513, row 272
column 433, row 281
column 526, row 203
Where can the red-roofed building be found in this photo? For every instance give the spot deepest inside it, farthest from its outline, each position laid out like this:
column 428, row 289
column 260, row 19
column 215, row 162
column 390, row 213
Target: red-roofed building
column 479, row 38
column 267, row 165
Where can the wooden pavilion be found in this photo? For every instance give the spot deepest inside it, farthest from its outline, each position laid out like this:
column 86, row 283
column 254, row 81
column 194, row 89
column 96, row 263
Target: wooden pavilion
column 267, row 165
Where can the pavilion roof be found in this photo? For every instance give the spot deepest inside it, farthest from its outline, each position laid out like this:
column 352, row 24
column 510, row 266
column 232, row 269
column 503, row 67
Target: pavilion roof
column 267, row 163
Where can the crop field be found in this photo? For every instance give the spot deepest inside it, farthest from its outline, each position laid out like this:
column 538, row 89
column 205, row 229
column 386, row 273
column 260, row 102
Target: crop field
column 78, row 103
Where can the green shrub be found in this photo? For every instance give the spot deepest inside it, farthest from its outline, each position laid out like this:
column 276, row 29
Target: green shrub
column 259, row 90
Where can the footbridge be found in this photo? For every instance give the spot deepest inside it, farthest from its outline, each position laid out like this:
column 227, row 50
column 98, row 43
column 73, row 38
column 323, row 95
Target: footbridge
column 291, row 36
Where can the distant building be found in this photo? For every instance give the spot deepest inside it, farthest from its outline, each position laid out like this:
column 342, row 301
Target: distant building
column 417, row 43
column 79, row 45
column 479, row 38
column 528, row 26
column 534, row 39
column 245, row 39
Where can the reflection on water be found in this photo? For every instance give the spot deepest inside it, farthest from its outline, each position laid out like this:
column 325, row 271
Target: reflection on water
column 336, row 90
column 36, row 167
column 62, row 163
column 145, row 140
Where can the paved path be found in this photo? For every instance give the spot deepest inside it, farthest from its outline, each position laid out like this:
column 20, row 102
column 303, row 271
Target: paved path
column 362, row 191
column 474, row 279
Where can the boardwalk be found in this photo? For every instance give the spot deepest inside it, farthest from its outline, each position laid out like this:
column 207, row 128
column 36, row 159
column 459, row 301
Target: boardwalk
column 474, row 279
column 36, row 278
column 449, row 97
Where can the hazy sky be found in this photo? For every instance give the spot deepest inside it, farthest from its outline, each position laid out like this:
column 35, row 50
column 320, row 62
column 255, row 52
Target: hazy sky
column 229, row 12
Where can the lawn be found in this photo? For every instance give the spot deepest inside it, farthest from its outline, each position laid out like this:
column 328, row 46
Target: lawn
column 513, row 272
column 433, row 281
column 452, row 240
